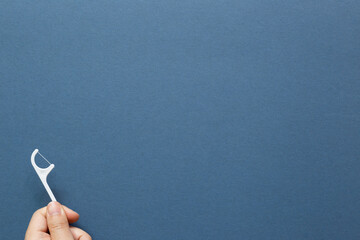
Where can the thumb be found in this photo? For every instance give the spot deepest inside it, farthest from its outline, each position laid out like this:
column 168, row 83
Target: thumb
column 57, row 222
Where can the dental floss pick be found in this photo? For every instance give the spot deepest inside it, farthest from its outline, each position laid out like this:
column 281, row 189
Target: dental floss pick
column 43, row 173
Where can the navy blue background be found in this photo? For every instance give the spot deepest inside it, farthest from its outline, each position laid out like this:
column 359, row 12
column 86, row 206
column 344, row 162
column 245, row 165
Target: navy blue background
column 183, row 119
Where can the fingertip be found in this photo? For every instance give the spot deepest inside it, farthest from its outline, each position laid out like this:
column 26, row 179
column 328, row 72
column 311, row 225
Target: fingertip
column 71, row 214
column 58, row 222
column 54, row 208
column 41, row 211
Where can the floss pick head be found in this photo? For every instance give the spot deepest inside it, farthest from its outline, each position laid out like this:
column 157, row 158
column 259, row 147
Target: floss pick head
column 43, row 173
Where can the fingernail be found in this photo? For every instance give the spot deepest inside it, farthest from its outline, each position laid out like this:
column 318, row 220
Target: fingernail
column 54, row 208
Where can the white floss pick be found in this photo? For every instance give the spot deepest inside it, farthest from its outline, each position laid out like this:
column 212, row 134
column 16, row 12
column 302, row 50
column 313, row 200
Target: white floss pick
column 43, row 173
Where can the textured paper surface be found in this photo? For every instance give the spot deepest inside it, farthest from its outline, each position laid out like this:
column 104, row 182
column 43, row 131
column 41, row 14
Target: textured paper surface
column 183, row 119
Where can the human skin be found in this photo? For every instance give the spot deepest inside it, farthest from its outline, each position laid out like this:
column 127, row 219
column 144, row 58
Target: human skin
column 52, row 223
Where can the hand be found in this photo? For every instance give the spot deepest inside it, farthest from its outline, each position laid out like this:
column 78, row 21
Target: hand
column 52, row 223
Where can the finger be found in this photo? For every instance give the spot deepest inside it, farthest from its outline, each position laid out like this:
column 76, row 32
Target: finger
column 57, row 222
column 71, row 215
column 38, row 221
column 38, row 228
column 79, row 234
column 37, row 235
